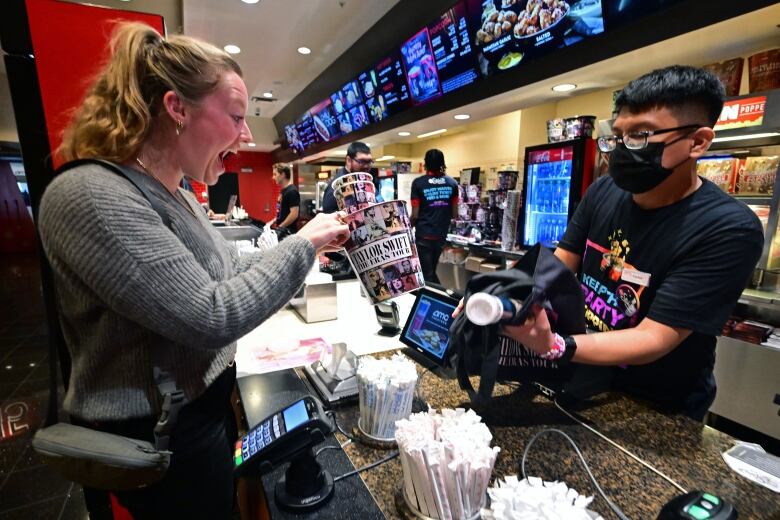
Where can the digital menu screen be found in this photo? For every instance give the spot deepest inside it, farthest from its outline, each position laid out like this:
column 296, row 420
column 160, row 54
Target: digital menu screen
column 452, row 49
column 391, row 84
column 506, row 36
column 291, row 133
column 306, row 133
column 351, row 95
column 375, row 102
column 359, row 117
column 324, row 121
column 420, row 67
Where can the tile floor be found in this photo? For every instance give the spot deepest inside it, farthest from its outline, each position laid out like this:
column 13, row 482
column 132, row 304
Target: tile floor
column 28, row 489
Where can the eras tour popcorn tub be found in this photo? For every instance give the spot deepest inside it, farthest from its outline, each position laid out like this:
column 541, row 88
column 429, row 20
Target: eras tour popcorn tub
column 382, row 252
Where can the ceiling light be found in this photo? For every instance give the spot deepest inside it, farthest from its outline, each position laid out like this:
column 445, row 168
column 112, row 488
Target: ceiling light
column 251, row 145
column 268, row 94
column 435, row 132
column 564, row 87
column 250, row 1
column 386, row 158
column 461, row 117
column 304, row 50
column 743, row 137
column 404, row 134
column 232, row 49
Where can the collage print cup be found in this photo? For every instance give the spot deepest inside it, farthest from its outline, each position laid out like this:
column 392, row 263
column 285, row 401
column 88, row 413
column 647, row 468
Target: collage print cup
column 354, row 191
column 382, row 252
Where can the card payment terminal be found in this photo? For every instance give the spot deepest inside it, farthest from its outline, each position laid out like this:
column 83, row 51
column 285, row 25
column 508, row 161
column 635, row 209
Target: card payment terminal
column 288, row 436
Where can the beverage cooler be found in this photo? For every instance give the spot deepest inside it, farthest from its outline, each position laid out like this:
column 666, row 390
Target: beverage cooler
column 555, row 178
column 386, row 183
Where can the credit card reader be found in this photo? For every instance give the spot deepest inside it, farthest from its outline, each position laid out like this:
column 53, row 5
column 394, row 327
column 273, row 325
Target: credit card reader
column 289, row 436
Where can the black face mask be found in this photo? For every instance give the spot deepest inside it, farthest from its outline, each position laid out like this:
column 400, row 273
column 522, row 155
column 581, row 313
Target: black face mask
column 638, row 171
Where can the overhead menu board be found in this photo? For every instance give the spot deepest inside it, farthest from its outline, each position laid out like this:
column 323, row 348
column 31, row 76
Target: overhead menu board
column 508, row 33
column 452, row 49
column 470, row 40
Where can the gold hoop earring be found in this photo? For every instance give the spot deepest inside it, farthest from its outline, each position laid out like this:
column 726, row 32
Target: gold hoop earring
column 179, row 127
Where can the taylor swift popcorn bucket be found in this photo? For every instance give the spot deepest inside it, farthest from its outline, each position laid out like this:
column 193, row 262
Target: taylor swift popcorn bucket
column 382, row 252
column 354, row 196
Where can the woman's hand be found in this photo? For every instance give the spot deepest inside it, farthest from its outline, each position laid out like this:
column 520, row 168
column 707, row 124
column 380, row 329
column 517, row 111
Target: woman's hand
column 326, row 231
column 535, row 334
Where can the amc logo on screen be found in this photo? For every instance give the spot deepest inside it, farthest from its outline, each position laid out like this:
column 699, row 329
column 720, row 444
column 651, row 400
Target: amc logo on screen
column 441, row 317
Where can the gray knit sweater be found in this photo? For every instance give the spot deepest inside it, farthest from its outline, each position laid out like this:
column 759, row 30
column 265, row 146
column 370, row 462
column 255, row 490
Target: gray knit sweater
column 127, row 284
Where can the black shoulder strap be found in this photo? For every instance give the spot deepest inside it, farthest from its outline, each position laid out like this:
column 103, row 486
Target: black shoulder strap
column 173, row 397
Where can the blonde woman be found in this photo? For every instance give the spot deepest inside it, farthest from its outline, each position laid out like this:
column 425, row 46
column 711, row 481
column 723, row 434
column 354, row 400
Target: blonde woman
column 128, row 285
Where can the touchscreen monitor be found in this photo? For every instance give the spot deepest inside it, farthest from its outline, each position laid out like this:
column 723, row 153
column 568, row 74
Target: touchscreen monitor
column 427, row 329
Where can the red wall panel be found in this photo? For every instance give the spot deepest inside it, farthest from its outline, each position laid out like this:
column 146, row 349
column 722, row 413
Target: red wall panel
column 70, row 42
column 256, row 188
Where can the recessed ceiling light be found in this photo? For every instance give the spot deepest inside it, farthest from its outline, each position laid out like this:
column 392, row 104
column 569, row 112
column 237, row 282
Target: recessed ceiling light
column 251, row 145
column 304, row 50
column 435, row 132
column 250, row 1
column 232, row 49
column 404, row 134
column 564, row 87
column 461, row 117
column 268, row 94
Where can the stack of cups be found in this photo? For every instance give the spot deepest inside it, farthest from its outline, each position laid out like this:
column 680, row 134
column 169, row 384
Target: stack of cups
column 509, row 225
column 380, row 246
column 447, row 462
column 385, row 391
column 354, row 191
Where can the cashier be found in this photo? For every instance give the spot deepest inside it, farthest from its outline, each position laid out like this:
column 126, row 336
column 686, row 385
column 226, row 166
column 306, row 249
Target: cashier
column 662, row 254
column 358, row 159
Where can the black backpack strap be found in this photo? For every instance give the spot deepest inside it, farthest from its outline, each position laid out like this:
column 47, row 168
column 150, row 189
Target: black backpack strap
column 173, row 397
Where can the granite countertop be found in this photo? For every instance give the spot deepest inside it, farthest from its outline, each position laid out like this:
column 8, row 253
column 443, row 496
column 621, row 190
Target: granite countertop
column 685, row 450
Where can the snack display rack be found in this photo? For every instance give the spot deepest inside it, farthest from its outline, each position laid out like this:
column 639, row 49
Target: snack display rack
column 745, row 162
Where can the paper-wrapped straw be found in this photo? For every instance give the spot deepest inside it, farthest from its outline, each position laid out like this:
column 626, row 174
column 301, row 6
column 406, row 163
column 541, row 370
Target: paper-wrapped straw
column 513, row 499
column 447, row 462
column 385, row 392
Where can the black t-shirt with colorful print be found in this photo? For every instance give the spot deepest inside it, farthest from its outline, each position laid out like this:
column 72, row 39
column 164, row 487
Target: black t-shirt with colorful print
column 434, row 196
column 683, row 265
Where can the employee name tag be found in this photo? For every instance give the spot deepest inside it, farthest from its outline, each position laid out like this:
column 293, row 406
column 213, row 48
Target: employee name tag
column 637, row 277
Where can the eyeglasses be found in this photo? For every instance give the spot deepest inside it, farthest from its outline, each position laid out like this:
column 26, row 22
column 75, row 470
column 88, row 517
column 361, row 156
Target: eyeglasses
column 363, row 162
column 636, row 140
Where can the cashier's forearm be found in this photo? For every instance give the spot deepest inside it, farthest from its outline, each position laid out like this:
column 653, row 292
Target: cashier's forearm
column 645, row 343
column 291, row 218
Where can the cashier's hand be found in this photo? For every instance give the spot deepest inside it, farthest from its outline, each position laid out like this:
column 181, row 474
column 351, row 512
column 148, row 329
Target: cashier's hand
column 535, row 334
column 326, row 231
column 458, row 309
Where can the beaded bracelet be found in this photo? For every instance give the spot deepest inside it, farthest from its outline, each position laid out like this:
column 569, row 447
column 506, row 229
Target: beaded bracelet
column 557, row 350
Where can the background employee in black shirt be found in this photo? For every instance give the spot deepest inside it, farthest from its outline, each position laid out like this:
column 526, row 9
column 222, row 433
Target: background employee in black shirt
column 434, row 205
column 662, row 254
column 288, row 202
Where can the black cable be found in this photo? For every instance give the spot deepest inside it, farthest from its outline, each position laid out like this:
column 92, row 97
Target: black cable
column 612, row 506
column 364, row 468
column 317, row 453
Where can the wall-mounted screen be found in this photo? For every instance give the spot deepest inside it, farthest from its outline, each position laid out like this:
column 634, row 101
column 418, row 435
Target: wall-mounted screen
column 324, row 121
column 508, row 33
column 420, row 67
column 452, row 49
column 351, row 95
column 621, row 12
column 306, row 133
column 293, row 141
column 391, row 83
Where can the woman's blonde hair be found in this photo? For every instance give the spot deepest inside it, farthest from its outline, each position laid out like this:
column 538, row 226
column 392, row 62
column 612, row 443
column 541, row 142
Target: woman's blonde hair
column 122, row 105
